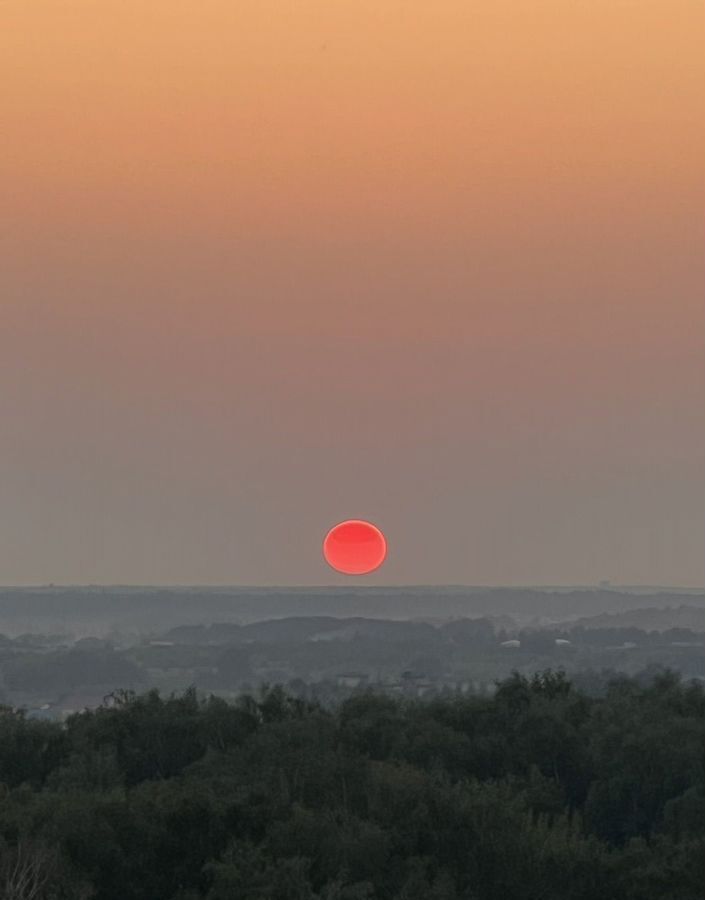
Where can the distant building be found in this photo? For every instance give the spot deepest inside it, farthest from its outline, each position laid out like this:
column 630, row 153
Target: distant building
column 351, row 679
column 82, row 701
column 423, row 687
column 42, row 712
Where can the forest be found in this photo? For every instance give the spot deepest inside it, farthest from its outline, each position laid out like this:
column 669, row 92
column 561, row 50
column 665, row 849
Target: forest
column 325, row 659
column 537, row 792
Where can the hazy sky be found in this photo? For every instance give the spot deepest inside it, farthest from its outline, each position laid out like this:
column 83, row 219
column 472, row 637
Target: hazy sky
column 267, row 265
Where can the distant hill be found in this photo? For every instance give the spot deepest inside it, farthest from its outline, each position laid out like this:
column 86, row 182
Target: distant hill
column 650, row 619
column 302, row 628
column 97, row 611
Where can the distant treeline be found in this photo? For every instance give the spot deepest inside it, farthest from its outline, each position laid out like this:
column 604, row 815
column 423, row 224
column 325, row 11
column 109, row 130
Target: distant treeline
column 539, row 792
column 462, row 654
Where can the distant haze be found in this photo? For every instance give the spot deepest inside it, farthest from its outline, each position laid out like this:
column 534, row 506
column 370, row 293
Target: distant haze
column 91, row 611
column 268, row 266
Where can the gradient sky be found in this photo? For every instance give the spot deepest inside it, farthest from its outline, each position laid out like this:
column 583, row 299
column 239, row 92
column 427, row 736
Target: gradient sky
column 267, row 265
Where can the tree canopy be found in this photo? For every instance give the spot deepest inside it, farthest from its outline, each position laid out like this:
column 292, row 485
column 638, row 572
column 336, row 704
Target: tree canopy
column 539, row 792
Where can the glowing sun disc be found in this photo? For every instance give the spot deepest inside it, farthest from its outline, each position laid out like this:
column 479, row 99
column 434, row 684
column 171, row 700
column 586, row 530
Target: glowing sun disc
column 355, row 547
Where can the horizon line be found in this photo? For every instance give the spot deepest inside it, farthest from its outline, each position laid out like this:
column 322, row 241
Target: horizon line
column 608, row 586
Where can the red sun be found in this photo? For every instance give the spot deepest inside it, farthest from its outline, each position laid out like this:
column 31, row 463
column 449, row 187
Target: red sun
column 355, row 547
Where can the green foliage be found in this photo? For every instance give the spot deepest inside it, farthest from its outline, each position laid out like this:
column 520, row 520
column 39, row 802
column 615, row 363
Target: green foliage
column 538, row 793
column 28, row 750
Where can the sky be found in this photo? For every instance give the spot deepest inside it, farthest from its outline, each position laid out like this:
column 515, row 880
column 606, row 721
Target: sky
column 269, row 265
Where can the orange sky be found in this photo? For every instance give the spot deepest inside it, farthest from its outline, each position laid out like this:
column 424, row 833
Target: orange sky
column 265, row 265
